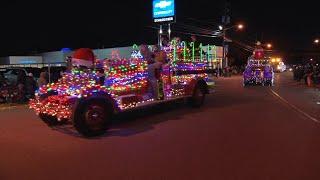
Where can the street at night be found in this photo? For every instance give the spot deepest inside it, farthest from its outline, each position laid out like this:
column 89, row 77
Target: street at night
column 159, row 90
column 240, row 133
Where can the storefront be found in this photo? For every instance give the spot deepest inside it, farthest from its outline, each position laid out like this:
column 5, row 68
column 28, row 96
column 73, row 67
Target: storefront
column 21, row 61
column 58, row 58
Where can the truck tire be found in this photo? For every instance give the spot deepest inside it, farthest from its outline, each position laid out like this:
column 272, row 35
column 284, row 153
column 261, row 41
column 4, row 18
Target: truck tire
column 198, row 96
column 49, row 120
column 92, row 117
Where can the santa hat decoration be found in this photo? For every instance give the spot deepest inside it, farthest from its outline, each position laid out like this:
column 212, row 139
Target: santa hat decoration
column 83, row 57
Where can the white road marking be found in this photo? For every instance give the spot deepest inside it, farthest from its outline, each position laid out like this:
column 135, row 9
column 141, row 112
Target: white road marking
column 295, row 108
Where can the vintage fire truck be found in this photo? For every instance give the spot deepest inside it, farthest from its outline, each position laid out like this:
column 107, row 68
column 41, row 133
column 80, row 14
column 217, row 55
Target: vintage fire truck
column 258, row 70
column 90, row 97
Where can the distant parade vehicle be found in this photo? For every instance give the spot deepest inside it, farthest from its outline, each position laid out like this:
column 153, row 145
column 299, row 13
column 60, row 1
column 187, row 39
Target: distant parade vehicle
column 95, row 90
column 258, row 70
column 278, row 65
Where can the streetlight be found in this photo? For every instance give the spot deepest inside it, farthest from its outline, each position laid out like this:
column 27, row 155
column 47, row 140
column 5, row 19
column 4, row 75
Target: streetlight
column 269, row 46
column 317, row 41
column 240, row 26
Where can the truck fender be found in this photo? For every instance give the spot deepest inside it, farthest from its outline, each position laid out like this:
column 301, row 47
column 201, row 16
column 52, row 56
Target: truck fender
column 101, row 96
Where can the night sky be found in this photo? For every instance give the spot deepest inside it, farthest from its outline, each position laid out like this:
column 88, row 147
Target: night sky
column 30, row 26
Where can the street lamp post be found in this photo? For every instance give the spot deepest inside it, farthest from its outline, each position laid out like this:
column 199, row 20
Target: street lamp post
column 224, row 30
column 160, row 35
column 224, row 59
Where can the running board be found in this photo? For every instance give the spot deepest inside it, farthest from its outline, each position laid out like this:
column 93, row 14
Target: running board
column 153, row 103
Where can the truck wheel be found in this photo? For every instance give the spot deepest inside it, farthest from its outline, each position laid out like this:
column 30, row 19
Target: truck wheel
column 49, row 120
column 198, row 96
column 91, row 118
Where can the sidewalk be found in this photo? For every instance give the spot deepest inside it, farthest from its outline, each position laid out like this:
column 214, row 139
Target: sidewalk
column 9, row 106
column 302, row 83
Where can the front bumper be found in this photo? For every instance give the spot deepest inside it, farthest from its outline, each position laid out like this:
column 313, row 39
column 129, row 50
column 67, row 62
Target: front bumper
column 211, row 86
column 56, row 106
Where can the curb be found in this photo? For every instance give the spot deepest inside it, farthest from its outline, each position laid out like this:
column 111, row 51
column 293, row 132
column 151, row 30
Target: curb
column 10, row 107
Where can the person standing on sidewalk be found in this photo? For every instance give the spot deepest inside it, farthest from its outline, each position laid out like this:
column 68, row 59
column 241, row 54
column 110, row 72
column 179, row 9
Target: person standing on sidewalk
column 42, row 80
column 21, row 86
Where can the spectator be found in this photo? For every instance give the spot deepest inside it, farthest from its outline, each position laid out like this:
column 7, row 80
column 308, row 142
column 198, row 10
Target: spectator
column 153, row 87
column 31, row 86
column 146, row 53
column 3, row 81
column 21, row 79
column 46, row 74
column 196, row 45
column 69, row 64
column 178, row 41
column 220, row 71
column 159, row 55
column 42, row 80
column 57, row 74
column 153, row 68
column 164, row 41
column 216, row 72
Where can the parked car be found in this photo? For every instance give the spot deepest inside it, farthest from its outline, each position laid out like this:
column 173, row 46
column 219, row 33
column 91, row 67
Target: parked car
column 11, row 74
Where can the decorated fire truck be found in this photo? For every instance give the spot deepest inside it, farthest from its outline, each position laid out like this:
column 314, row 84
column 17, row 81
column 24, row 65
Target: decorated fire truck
column 258, row 70
column 95, row 90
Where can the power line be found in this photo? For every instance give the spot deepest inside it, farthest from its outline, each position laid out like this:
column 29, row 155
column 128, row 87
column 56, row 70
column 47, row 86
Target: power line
column 188, row 33
column 196, row 29
column 203, row 21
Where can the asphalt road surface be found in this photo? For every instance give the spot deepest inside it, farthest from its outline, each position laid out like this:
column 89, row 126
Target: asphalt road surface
column 253, row 133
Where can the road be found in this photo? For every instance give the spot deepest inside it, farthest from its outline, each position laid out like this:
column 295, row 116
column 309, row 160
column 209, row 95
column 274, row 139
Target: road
column 258, row 133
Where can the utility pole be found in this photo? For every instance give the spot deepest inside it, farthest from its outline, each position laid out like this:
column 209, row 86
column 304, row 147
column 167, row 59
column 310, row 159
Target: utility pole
column 225, row 21
column 160, row 35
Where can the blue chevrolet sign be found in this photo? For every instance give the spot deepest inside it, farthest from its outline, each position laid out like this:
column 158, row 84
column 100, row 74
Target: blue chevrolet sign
column 163, row 9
